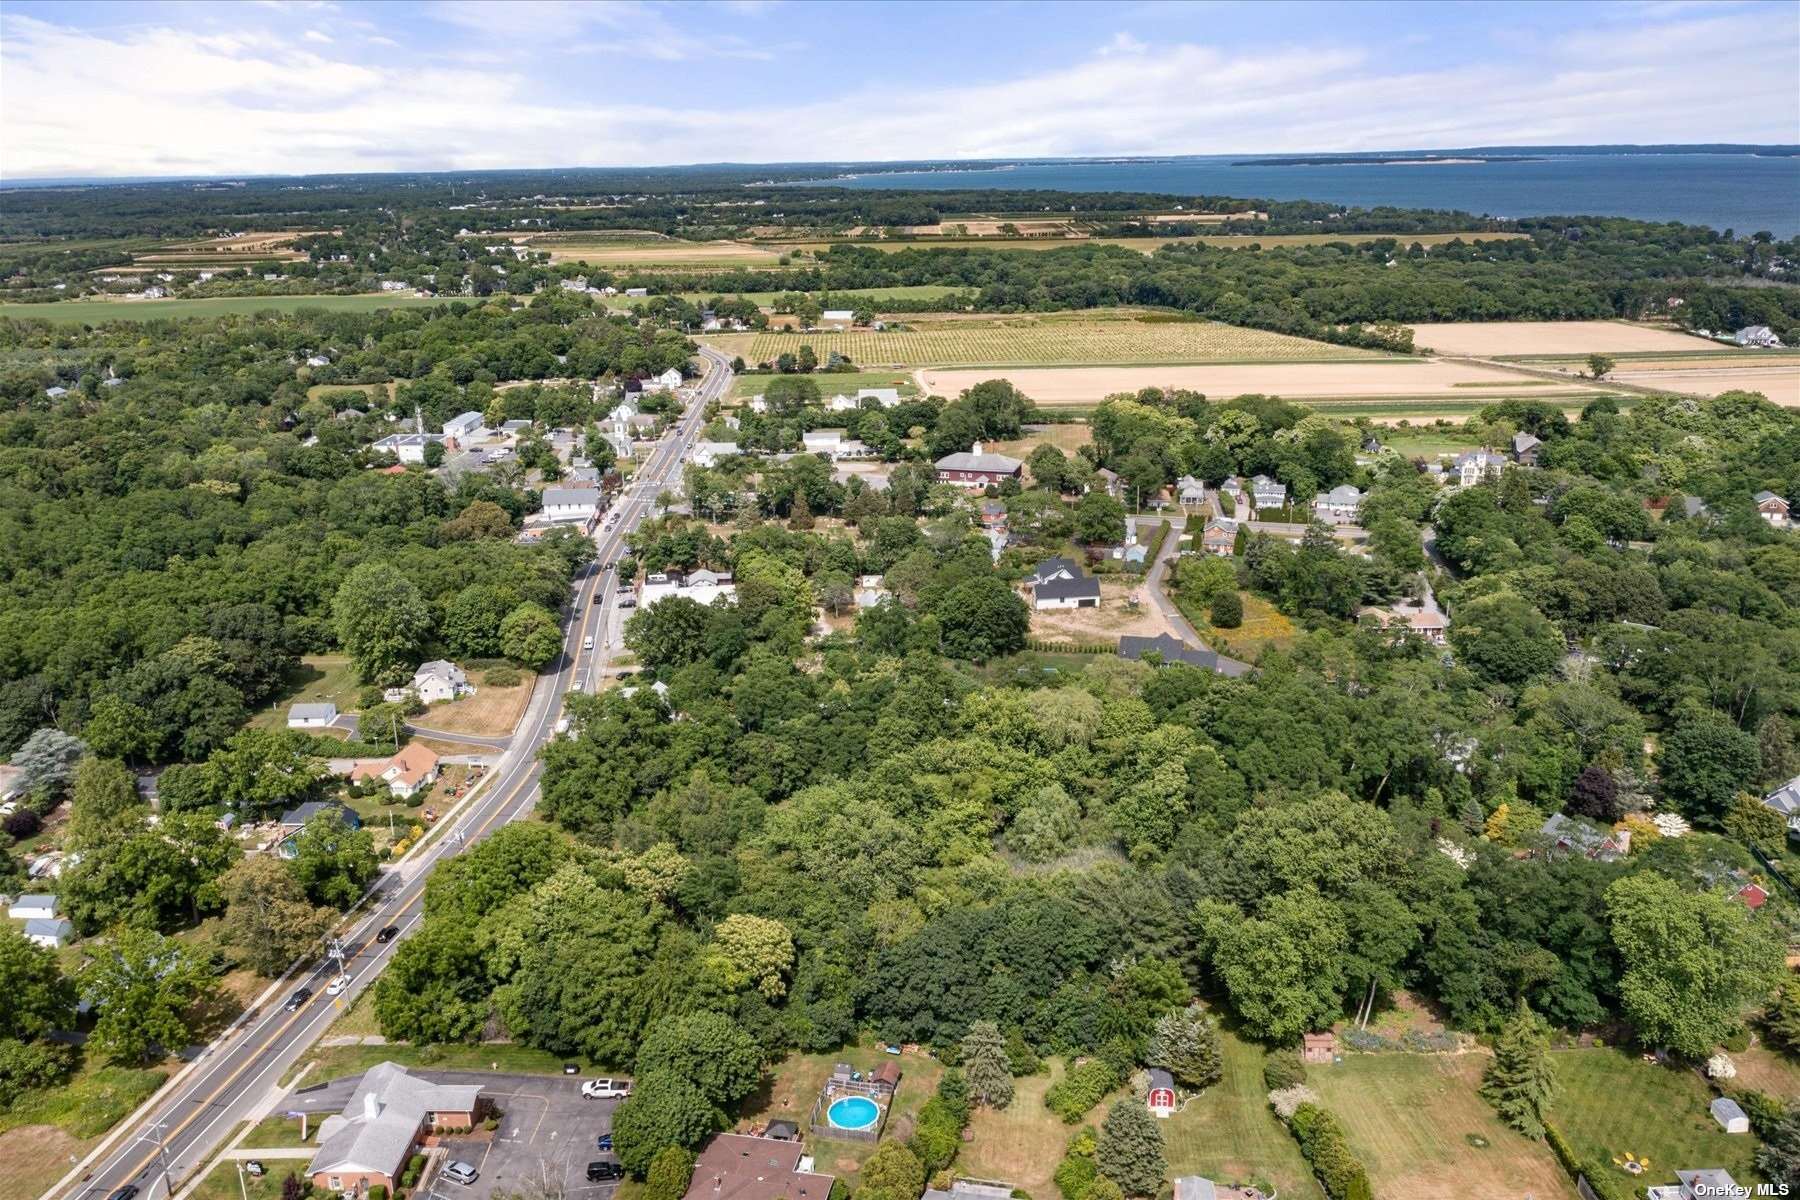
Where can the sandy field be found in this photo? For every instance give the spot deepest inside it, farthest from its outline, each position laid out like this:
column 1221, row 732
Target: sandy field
column 1114, row 617
column 658, row 252
column 1780, row 383
column 1378, row 378
column 1552, row 337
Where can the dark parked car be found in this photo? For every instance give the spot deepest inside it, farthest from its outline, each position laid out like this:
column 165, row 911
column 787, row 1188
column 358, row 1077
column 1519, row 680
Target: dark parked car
column 298, row 998
column 603, row 1142
column 601, row 1172
column 130, row 1190
column 387, row 933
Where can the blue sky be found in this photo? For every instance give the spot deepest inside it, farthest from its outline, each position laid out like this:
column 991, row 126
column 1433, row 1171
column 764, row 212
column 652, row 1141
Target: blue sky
column 94, row 89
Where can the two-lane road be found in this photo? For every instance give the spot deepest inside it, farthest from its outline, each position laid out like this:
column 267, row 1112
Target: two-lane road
column 192, row 1117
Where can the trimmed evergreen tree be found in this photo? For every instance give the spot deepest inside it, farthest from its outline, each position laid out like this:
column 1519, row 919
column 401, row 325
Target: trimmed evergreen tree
column 1186, row 1044
column 986, row 1066
column 1131, row 1149
column 1520, row 1082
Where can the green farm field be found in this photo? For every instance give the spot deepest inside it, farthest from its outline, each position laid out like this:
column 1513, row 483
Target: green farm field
column 1118, row 337
column 96, row 312
column 830, row 383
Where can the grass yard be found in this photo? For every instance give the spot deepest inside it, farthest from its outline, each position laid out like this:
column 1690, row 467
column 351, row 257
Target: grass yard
column 376, row 392
column 222, row 1181
column 1228, row 1133
column 320, row 677
column 1611, row 1101
column 330, row 1062
column 1022, row 1143
column 1429, row 442
column 1068, row 438
column 358, row 1020
column 490, row 712
column 1263, row 627
column 789, row 1091
column 1111, row 337
column 277, row 1132
column 94, row 312
column 1768, row 1070
column 1417, row 1121
column 44, row 1132
column 830, row 383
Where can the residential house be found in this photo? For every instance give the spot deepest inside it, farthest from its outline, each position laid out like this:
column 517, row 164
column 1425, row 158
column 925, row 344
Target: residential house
column 1473, row 466
column 56, row 393
column 1575, row 835
column 1267, row 493
column 738, row 1166
column 1160, row 1099
column 312, row 716
column 975, row 469
column 407, row 447
column 515, row 429
column 1190, row 492
column 636, row 291
column 1525, row 449
column 1107, row 480
column 33, row 908
column 1340, row 506
column 1064, row 586
column 571, row 506
column 394, row 285
column 407, row 773
column 1429, row 623
column 1706, row 1183
column 833, row 444
column 1219, row 538
column 577, row 284
column 52, row 933
column 1169, row 650
column 870, row 591
column 1751, row 896
column 885, row 397
column 837, row 318
column 312, row 360
column 993, row 514
column 439, row 680
column 1786, row 801
column 668, row 381
column 708, row 454
column 1773, row 509
column 463, row 427
column 294, row 819
column 1759, row 336
column 841, row 403
column 384, row 1122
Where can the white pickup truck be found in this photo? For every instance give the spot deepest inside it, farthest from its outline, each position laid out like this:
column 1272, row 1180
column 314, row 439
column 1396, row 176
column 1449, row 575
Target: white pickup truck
column 606, row 1089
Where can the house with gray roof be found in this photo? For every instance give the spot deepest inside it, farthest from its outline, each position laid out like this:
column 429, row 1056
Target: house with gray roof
column 571, row 506
column 389, row 1113
column 1786, row 801
column 52, row 933
column 1066, row 589
column 976, row 469
column 312, row 716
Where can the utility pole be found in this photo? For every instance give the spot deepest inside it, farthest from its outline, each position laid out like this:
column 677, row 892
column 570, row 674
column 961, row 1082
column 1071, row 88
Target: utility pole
column 162, row 1154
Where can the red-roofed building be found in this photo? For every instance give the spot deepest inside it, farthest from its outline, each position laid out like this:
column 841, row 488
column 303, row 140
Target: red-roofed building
column 1753, row 896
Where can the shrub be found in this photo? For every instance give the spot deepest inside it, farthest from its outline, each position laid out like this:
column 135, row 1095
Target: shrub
column 1283, row 1069
column 1765, row 1111
column 22, row 824
column 502, row 676
column 1227, row 611
column 1076, row 1173
column 1071, row 1097
column 26, row 1065
column 1287, row 1102
column 377, row 1192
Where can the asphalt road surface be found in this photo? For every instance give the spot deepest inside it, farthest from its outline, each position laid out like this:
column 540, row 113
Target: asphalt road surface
column 190, row 1119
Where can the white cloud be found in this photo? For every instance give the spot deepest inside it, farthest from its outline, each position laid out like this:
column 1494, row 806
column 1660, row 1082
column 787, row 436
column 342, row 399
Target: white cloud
column 164, row 100
column 314, row 35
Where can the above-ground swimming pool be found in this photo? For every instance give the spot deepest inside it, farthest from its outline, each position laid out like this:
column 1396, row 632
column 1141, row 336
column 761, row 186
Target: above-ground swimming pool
column 853, row 1112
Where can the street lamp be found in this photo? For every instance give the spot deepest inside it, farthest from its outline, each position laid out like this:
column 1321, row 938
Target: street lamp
column 162, row 1154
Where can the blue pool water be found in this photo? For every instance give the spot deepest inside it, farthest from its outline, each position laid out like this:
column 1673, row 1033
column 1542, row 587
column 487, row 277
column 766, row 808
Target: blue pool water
column 853, row 1112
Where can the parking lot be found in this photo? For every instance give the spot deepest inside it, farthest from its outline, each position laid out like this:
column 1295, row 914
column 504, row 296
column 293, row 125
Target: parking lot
column 543, row 1145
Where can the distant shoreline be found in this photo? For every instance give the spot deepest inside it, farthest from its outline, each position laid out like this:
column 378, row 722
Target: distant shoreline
column 1397, row 160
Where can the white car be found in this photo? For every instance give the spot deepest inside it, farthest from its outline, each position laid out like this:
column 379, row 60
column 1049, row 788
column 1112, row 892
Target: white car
column 606, row 1089
column 336, row 987
column 587, row 643
column 460, row 1172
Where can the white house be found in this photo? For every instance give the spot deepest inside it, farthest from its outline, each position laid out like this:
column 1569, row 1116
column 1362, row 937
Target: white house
column 702, row 587
column 1786, row 801
column 1340, row 506
column 33, row 908
column 1189, row 491
column 440, row 680
column 571, row 506
column 312, row 360
column 394, row 285
column 668, row 381
column 833, row 444
column 1757, row 335
column 407, row 447
column 886, row 397
column 56, row 393
column 842, row 403
column 312, row 716
column 1473, row 466
column 708, row 454
column 1267, row 493
column 50, row 933
column 1061, row 583
column 464, row 427
column 637, row 291
column 839, row 318
column 1701, row 1184
column 412, row 770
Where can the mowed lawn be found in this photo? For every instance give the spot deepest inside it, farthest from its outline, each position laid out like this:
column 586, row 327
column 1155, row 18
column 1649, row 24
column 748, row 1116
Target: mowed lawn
column 793, row 1084
column 830, row 383
column 95, row 312
column 1416, row 1120
column 320, row 677
column 1119, row 337
column 45, row 1131
column 1611, row 1102
column 1229, row 1134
